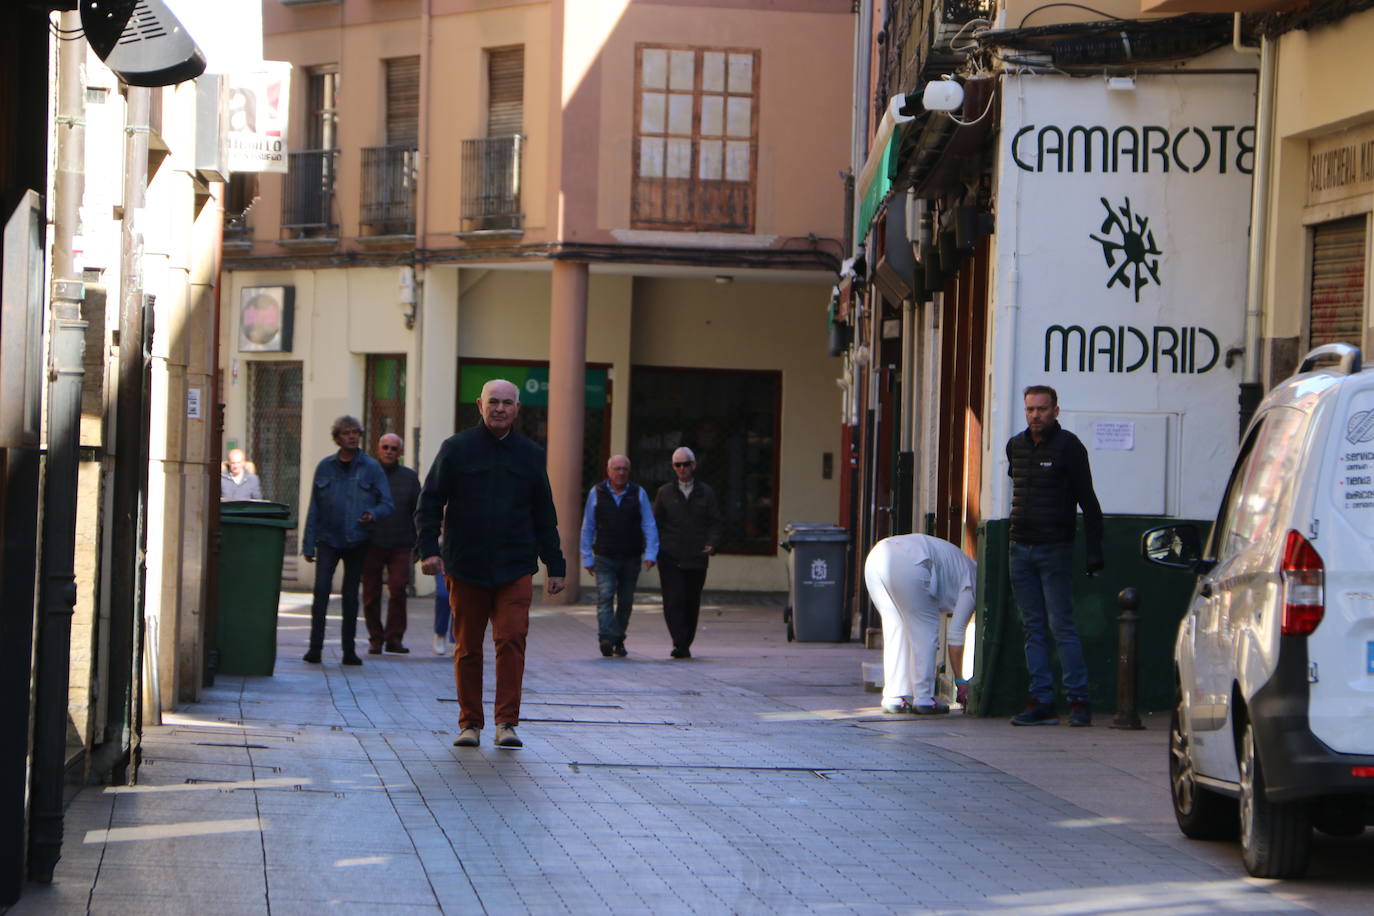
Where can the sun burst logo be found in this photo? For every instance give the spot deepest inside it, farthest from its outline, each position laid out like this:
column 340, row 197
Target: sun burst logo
column 1128, row 245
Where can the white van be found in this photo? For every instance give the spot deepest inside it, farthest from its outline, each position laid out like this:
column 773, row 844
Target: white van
column 1274, row 713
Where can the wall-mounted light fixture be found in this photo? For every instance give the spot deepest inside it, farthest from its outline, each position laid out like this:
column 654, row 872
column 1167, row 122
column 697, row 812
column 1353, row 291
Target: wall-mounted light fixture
column 406, row 299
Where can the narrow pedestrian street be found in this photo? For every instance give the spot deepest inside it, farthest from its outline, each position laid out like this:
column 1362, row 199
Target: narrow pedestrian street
column 756, row 777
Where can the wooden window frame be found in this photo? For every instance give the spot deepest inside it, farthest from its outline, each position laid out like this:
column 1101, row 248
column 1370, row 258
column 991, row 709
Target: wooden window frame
column 698, row 188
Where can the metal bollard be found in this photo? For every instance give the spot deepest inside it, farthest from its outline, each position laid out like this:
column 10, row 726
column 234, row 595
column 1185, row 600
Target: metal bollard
column 1127, row 645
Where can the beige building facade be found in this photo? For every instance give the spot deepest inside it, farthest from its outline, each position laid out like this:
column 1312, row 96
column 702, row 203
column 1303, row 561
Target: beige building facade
column 632, row 209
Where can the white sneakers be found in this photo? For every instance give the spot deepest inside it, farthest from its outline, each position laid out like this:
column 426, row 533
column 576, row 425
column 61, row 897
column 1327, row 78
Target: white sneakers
column 440, row 645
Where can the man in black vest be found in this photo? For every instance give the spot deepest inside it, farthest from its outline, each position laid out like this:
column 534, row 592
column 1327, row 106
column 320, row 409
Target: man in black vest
column 1050, row 479
column 618, row 535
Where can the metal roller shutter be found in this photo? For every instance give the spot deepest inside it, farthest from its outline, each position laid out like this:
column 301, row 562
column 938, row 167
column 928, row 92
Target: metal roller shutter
column 505, row 91
column 402, row 100
column 1338, row 282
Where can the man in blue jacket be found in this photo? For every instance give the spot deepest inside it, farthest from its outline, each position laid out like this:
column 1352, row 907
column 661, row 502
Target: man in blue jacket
column 488, row 491
column 348, row 494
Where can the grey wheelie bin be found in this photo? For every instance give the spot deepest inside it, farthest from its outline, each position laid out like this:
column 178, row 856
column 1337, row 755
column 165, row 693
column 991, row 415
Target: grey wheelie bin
column 815, row 566
column 252, row 536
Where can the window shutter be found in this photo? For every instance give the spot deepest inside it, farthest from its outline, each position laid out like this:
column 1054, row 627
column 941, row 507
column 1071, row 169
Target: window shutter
column 505, row 91
column 402, row 101
column 1338, row 281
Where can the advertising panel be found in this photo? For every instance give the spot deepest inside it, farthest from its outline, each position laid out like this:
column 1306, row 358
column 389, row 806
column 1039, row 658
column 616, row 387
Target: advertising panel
column 1122, row 233
column 259, row 108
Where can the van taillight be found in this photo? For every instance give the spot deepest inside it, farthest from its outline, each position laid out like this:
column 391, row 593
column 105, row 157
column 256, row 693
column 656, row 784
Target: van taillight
column 1304, row 586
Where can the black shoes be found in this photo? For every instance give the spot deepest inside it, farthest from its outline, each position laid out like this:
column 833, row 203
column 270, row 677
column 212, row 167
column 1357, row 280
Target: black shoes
column 619, row 650
column 397, row 649
column 679, row 652
column 312, row 656
column 607, row 648
column 374, row 649
column 1036, row 713
column 351, row 658
column 1080, row 713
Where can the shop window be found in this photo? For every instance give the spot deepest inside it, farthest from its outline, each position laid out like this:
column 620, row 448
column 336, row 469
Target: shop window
column 731, row 420
column 696, row 118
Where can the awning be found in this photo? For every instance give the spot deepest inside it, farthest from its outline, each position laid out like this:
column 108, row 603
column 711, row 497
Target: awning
column 875, row 181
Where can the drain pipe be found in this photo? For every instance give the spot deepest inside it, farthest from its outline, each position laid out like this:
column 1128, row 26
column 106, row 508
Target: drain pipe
column 858, row 153
column 1252, row 386
column 57, row 600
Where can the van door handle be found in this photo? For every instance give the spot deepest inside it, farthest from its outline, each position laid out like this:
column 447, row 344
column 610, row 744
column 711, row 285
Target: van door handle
column 1206, row 590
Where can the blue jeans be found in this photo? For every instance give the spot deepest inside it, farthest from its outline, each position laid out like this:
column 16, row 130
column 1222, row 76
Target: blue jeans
column 441, row 607
column 615, row 595
column 327, row 559
column 1042, row 581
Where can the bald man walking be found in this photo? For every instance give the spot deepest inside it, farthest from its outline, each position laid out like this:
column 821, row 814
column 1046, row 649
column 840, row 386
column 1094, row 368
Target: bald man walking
column 488, row 492
column 618, row 537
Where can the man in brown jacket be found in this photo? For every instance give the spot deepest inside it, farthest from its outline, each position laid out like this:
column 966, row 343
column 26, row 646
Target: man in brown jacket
column 689, row 530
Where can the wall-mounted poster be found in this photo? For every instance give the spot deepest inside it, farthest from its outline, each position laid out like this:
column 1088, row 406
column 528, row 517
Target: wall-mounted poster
column 265, row 319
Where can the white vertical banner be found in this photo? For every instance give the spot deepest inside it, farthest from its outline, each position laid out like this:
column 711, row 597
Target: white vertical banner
column 259, row 111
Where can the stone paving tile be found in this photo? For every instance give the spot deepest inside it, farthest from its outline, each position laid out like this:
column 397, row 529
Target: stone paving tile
column 755, row 778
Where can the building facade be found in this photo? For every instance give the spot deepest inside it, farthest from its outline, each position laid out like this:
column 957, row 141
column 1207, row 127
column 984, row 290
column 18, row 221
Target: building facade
column 619, row 206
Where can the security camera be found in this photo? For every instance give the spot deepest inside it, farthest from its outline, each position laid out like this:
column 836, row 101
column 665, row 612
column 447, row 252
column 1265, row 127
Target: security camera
column 943, row 95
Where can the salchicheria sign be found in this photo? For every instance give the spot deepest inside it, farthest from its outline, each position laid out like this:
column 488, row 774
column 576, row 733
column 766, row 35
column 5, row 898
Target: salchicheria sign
column 1126, row 214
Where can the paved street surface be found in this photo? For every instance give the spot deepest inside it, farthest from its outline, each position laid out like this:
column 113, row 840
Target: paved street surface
column 757, row 777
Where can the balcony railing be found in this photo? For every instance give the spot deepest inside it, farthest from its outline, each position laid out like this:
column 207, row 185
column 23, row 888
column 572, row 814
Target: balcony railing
column 491, row 183
column 307, row 203
column 388, row 202
column 237, row 228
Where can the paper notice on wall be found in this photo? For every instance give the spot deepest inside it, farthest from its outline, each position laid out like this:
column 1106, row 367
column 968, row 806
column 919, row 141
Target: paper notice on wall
column 193, row 403
column 1114, row 436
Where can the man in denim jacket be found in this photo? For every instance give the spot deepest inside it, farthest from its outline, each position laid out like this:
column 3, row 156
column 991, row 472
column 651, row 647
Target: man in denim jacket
column 348, row 494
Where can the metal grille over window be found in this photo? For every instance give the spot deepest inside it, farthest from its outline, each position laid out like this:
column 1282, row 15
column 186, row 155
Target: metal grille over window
column 491, row 164
column 274, row 431
column 731, row 421
column 696, row 129
column 1338, row 282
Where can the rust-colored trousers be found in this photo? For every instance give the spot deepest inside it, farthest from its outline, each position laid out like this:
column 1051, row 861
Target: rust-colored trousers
column 396, row 561
column 508, row 608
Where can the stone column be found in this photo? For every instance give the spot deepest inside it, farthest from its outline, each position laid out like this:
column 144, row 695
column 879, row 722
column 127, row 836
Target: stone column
column 567, row 407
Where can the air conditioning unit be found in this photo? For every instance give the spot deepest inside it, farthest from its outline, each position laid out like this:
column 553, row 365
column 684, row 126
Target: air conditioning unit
column 949, row 19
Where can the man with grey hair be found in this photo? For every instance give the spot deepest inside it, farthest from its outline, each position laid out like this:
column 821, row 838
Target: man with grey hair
column 618, row 535
column 348, row 493
column 390, row 547
column 488, row 493
column 236, row 481
column 689, row 531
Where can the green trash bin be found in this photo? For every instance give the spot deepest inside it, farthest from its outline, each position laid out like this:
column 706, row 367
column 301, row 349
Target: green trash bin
column 252, row 538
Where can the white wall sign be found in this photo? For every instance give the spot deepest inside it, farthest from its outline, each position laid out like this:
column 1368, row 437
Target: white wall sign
column 193, row 403
column 259, row 108
column 1121, row 264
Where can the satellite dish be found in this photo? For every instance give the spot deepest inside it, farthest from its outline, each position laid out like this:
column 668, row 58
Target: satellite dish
column 141, row 41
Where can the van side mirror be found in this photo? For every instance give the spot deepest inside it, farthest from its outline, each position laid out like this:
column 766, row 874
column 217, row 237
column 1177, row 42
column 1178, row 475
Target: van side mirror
column 1174, row 547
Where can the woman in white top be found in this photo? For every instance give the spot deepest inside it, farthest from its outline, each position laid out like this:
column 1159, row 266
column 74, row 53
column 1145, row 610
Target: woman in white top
column 912, row 579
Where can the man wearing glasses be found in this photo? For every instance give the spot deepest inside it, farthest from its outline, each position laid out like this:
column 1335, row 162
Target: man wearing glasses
column 348, row 494
column 489, row 493
column 393, row 541
column 689, row 530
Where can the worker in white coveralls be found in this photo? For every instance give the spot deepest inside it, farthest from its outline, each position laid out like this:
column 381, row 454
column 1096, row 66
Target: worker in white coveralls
column 912, row 579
